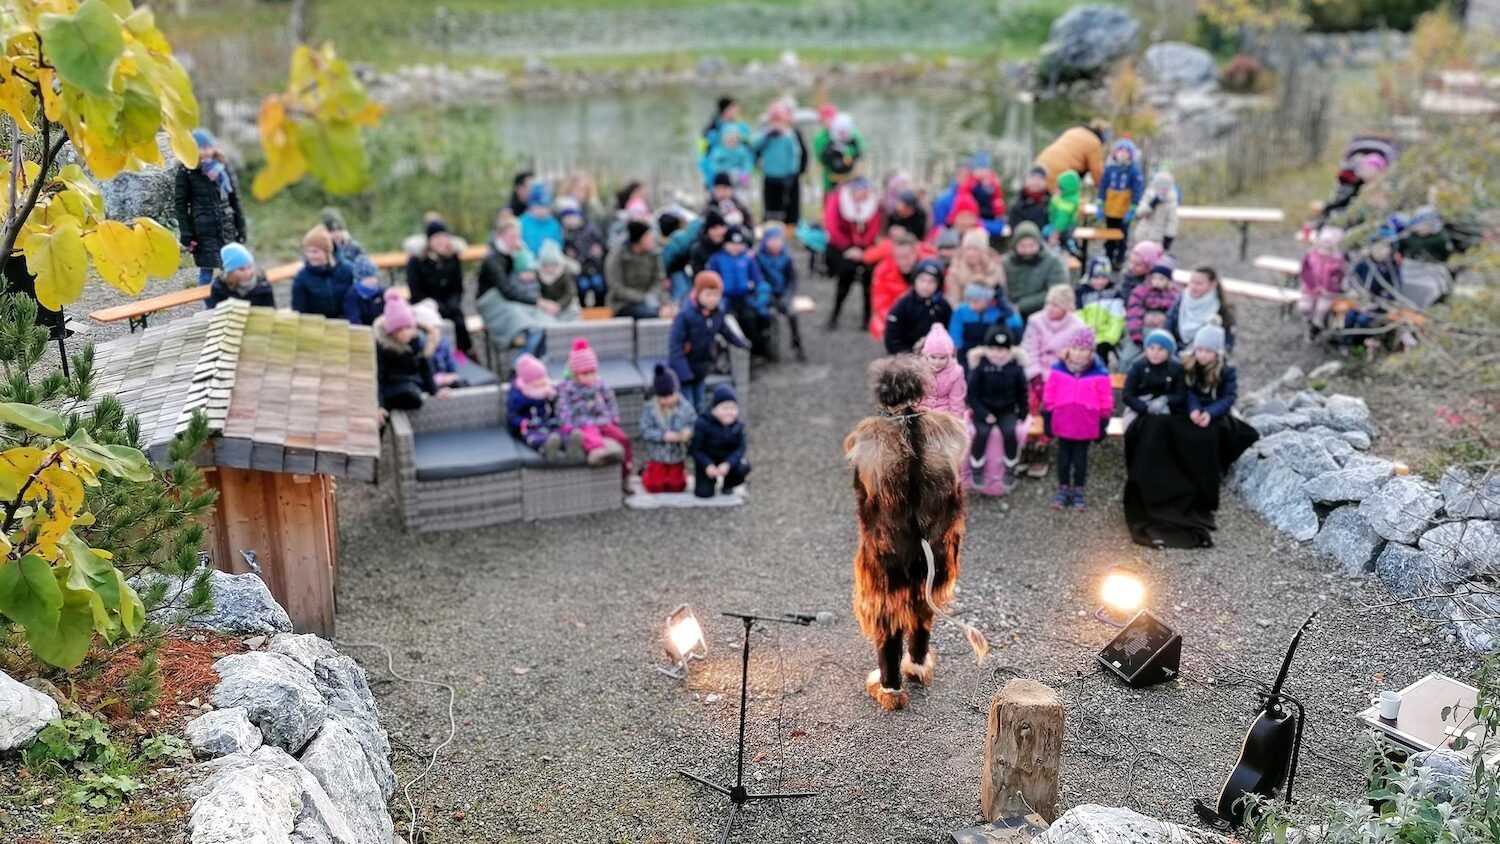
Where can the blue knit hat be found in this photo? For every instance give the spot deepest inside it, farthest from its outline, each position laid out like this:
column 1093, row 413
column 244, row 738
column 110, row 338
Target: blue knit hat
column 1162, row 338
column 1098, row 265
column 978, row 292
column 203, row 138
column 233, row 256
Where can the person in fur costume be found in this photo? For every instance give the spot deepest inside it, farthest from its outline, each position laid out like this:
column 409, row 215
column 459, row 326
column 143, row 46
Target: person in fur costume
column 910, row 503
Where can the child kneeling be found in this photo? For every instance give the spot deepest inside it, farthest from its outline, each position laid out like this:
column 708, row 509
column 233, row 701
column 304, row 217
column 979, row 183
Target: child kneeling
column 719, row 445
column 667, row 428
column 1079, row 399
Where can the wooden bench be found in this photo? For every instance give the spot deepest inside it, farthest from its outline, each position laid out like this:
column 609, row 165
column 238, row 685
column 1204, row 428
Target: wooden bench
column 1086, row 235
column 1247, row 289
column 1286, row 271
column 1116, row 426
column 1241, row 217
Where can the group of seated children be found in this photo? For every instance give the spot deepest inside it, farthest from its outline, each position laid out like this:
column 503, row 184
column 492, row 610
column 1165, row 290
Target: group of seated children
column 1362, row 304
column 580, row 419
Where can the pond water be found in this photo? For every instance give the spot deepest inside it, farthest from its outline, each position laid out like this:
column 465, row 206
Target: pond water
column 652, row 134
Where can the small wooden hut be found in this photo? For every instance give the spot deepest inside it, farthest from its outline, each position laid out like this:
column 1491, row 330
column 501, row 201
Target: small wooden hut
column 291, row 403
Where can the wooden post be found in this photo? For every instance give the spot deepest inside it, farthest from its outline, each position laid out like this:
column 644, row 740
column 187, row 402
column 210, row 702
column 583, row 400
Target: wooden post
column 1022, row 752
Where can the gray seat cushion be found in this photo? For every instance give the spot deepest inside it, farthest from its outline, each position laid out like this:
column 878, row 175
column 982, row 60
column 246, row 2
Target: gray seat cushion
column 647, row 368
column 446, row 455
column 475, row 375
column 620, row 374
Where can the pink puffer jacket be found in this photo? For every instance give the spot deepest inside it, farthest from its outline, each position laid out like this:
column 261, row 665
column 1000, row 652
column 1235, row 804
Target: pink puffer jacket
column 950, row 391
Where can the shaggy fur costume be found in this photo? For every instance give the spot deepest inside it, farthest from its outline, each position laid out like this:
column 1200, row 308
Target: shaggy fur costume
column 907, row 488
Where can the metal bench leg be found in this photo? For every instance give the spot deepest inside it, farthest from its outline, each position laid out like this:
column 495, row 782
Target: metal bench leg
column 1244, row 240
column 139, row 322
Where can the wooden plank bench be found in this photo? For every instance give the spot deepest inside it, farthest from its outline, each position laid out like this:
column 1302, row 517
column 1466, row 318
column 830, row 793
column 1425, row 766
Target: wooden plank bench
column 1242, row 217
column 1247, row 289
column 1114, row 430
column 1086, row 235
column 1286, row 271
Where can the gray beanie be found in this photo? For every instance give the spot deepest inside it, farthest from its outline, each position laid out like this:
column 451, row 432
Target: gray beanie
column 1210, row 337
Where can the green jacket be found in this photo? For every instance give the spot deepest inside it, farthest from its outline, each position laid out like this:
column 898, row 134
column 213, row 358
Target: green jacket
column 1028, row 279
column 820, row 143
column 1063, row 208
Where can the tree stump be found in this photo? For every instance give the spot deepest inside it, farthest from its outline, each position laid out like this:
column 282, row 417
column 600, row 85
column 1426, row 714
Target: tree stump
column 1022, row 752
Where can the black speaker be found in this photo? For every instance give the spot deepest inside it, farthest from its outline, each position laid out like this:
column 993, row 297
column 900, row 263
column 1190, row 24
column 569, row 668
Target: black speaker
column 1145, row 653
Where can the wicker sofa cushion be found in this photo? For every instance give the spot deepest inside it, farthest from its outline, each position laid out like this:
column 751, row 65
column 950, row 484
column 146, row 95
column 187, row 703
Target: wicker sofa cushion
column 620, row 374
column 445, row 455
column 475, row 375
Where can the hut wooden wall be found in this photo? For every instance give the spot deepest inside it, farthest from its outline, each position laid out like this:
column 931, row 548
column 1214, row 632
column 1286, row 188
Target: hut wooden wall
column 288, row 521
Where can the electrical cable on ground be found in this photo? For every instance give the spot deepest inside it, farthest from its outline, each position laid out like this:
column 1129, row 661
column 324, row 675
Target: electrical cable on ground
column 390, row 666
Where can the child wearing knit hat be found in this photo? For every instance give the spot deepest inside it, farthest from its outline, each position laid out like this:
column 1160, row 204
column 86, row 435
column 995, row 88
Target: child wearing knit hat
column 1076, row 402
column 1101, row 306
column 667, row 427
column 999, row 400
column 719, row 445
column 946, row 388
column 366, row 298
column 239, row 279
column 403, row 370
column 587, row 405
column 693, row 345
column 1154, row 384
column 982, row 307
column 323, row 282
column 1212, row 382
column 530, row 410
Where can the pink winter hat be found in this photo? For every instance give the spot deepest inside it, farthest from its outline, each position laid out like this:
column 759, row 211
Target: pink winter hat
column 398, row 313
column 1149, row 251
column 529, row 370
column 1083, row 338
column 938, row 342
column 582, row 359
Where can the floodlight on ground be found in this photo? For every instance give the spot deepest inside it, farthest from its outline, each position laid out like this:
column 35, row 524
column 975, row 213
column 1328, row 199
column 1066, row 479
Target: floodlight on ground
column 684, row 640
column 1121, row 595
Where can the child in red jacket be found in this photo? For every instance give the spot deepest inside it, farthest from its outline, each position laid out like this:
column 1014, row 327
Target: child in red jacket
column 1077, row 400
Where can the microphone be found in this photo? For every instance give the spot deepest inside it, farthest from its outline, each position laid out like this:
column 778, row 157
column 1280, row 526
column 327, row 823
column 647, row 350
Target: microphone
column 805, row 618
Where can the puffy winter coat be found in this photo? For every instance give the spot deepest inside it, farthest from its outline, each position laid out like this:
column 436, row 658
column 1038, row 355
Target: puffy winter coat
column 1156, row 217
column 1045, row 340
column 260, row 294
column 401, row 367
column 845, row 231
column 741, row 274
column 630, row 277
column 693, row 342
column 998, row 390
column 1078, row 150
column 911, row 318
column 1123, row 184
column 1322, row 275
column 1103, row 311
column 1147, row 380
column 715, row 443
column 524, row 413
column 578, row 405
column 1029, row 207
column 968, row 326
column 436, row 277
column 781, row 155
column 206, row 218
column 1145, row 298
column 321, row 290
column 655, row 425
column 1080, row 402
column 1027, row 280
column 363, row 304
column 1216, row 400
column 538, row 230
column 949, row 391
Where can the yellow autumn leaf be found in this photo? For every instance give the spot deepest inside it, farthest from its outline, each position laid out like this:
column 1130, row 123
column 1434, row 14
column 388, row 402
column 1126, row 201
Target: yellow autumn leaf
column 179, row 108
column 16, row 465
column 16, row 96
column 59, row 261
column 285, row 163
column 141, row 24
column 73, row 176
column 157, row 248
column 112, row 245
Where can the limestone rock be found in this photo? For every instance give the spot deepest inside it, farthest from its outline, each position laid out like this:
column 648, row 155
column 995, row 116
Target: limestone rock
column 1269, row 407
column 337, row 760
column 24, row 711
column 1403, row 569
column 1093, row 824
column 305, row 648
column 1474, row 613
column 1277, row 495
column 1403, row 509
column 277, row 694
column 1442, row 774
column 1179, row 65
column 1468, row 497
column 1463, row 550
column 265, row 796
column 1347, row 538
column 1304, row 453
column 1292, row 378
column 1358, row 480
column 1274, row 423
column 1308, row 399
column 242, row 605
column 223, row 732
column 1085, row 39
column 347, row 691
column 1325, row 370
column 1358, row 439
column 1349, row 413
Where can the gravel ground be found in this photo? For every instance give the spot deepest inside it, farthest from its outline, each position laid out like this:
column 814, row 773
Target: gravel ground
column 549, row 632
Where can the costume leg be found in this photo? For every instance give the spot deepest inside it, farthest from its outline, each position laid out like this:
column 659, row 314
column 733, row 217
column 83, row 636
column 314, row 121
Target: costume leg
column 920, row 660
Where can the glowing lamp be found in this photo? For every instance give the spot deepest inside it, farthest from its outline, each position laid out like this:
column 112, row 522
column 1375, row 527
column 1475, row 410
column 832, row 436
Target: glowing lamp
column 1121, row 595
column 683, row 640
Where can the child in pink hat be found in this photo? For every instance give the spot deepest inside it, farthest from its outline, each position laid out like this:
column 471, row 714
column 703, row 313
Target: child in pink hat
column 947, row 390
column 531, row 410
column 586, row 405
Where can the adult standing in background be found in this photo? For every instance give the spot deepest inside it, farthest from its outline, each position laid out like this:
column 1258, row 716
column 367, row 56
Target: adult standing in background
column 208, row 206
column 1079, row 150
column 633, row 276
column 782, row 156
column 348, row 250
column 841, row 151
column 520, row 194
column 435, row 273
column 851, row 216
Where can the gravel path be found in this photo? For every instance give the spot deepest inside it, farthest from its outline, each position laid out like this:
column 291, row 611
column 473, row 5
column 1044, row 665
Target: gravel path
column 550, row 634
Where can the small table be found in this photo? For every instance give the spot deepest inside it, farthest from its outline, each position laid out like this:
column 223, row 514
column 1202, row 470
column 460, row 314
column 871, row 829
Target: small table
column 1420, row 724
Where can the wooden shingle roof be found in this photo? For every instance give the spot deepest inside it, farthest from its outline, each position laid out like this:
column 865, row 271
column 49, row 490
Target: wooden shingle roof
column 283, row 392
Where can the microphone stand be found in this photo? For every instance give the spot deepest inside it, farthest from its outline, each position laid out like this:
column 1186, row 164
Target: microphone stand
column 738, row 795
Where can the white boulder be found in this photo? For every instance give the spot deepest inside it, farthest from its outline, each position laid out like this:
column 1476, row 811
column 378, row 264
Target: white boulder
column 223, row 732
column 277, row 694
column 24, row 711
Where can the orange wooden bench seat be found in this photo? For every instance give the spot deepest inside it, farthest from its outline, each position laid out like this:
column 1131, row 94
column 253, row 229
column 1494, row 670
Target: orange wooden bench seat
column 1115, row 429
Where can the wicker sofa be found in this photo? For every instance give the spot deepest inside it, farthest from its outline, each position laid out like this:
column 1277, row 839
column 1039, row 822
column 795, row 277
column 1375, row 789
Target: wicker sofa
column 613, row 340
column 458, row 467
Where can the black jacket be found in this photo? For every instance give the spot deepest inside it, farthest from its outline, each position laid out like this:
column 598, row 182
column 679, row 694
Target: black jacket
column 1028, row 207
column 436, row 277
column 260, row 295
column 699, row 253
column 915, row 223
column 998, row 390
column 206, row 218
column 693, row 343
column 578, row 243
column 494, row 270
column 400, row 368
column 1146, row 380
column 714, row 443
column 911, row 318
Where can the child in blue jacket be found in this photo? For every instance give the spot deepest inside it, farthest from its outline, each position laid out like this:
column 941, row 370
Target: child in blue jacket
column 780, row 273
column 693, row 344
column 981, row 308
column 742, row 282
column 1120, row 194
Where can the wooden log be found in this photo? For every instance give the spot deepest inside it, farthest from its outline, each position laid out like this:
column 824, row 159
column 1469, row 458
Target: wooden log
column 1022, row 752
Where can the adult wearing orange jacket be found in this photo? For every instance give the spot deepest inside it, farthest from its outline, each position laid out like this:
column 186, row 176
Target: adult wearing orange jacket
column 1079, row 150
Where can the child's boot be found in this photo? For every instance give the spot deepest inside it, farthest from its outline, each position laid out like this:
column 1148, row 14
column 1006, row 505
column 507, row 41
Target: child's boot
column 575, row 443
column 552, row 445
column 1079, row 503
column 1063, row 498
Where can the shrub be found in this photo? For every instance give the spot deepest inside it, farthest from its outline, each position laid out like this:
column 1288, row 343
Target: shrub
column 1353, row 15
column 1244, row 75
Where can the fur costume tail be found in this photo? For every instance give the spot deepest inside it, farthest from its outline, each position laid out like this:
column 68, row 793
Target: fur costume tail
column 976, row 639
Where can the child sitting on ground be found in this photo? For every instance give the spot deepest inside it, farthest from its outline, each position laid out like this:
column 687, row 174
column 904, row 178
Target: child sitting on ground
column 1078, row 400
column 667, row 423
column 1322, row 277
column 918, row 310
column 693, row 344
column 947, row 389
column 530, row 410
column 1154, row 385
column 585, row 404
column 780, row 273
column 1101, row 307
column 981, row 308
column 366, row 298
column 997, row 396
column 402, row 367
column 719, row 445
